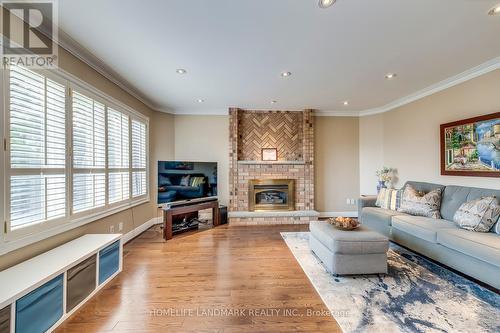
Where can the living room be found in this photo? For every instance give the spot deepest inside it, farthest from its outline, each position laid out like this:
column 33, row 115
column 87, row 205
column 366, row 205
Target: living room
column 204, row 177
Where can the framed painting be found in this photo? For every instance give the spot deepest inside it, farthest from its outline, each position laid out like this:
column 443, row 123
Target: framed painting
column 269, row 154
column 471, row 147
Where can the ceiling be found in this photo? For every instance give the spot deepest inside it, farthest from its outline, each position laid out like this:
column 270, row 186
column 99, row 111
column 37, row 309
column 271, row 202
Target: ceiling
column 234, row 51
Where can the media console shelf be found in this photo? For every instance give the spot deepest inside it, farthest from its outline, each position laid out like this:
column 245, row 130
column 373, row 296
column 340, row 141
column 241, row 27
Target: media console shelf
column 38, row 294
column 169, row 213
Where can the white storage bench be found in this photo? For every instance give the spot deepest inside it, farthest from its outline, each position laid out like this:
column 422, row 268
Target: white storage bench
column 39, row 294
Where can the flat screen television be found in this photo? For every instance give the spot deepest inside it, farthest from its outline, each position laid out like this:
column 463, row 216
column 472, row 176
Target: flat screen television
column 185, row 181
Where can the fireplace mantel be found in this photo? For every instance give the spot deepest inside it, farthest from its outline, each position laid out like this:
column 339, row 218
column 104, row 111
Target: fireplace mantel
column 292, row 134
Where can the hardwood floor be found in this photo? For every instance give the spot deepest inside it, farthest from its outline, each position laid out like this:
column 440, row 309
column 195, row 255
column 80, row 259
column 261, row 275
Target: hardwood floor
column 246, row 273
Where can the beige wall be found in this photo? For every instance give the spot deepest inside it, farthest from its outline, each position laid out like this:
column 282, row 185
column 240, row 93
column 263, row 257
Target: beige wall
column 131, row 218
column 336, row 163
column 411, row 132
column 371, row 152
column 205, row 138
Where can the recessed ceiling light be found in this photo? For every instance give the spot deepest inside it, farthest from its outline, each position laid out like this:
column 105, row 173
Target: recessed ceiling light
column 286, row 74
column 181, row 71
column 495, row 10
column 326, row 3
column 346, row 103
column 274, row 102
column 389, row 76
column 201, row 100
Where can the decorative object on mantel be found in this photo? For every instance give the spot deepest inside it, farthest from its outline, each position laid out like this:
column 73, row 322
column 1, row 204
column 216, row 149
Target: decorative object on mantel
column 471, row 147
column 344, row 223
column 269, row 154
column 387, row 178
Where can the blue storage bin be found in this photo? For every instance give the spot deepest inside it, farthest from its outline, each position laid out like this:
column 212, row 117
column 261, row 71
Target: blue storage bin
column 40, row 309
column 109, row 261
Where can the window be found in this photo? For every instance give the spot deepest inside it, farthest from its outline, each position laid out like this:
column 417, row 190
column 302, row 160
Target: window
column 73, row 154
column 118, row 156
column 89, row 154
column 37, row 149
column 138, row 158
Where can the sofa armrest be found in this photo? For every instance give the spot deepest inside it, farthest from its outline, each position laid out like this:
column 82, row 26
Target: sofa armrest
column 366, row 201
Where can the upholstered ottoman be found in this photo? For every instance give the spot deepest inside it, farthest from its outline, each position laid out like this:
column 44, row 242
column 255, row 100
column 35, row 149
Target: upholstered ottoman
column 360, row 251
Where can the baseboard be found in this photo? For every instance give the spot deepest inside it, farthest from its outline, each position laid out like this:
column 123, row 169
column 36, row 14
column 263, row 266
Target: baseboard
column 140, row 229
column 335, row 214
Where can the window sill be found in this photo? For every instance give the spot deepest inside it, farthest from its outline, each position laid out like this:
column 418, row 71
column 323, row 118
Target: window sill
column 7, row 246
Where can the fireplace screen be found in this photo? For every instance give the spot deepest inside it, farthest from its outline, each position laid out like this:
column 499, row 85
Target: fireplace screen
column 271, row 194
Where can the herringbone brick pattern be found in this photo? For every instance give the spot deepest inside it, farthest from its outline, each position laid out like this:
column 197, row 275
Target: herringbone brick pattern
column 281, row 130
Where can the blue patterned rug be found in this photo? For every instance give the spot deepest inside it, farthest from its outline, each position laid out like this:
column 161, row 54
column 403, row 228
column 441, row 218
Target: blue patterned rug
column 416, row 296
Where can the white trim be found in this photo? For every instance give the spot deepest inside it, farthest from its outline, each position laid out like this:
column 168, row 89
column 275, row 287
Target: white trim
column 201, row 112
column 320, row 113
column 81, row 53
column 465, row 76
column 97, row 64
column 335, row 214
column 140, row 229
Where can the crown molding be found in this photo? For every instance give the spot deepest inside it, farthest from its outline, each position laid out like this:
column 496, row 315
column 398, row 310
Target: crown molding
column 320, row 113
column 465, row 76
column 202, row 112
column 97, row 64
column 73, row 47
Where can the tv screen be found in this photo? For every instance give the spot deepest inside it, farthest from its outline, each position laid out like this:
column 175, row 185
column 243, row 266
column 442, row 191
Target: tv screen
column 179, row 181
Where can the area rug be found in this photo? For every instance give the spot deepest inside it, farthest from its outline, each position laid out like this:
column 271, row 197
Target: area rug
column 416, row 295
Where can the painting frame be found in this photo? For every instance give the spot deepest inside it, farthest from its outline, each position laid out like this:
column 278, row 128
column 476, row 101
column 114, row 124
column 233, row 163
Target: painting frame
column 446, row 132
column 269, row 154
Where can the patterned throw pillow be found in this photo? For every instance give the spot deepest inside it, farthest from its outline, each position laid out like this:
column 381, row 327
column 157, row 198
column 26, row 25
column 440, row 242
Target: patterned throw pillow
column 420, row 204
column 197, row 181
column 389, row 199
column 478, row 215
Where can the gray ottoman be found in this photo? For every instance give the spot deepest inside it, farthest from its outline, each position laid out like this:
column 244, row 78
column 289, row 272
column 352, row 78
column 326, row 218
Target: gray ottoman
column 360, row 251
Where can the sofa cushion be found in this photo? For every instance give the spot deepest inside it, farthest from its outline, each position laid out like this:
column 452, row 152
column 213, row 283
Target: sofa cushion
column 455, row 196
column 419, row 203
column 380, row 215
column 359, row 241
column 478, row 214
column 482, row 246
column 422, row 227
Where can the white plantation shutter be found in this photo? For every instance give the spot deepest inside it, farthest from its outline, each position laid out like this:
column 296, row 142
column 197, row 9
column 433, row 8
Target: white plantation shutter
column 89, row 153
column 118, row 156
column 70, row 156
column 118, row 186
column 138, row 131
column 118, row 149
column 37, row 147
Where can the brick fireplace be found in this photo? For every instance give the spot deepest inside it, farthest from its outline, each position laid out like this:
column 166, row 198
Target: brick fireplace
column 291, row 133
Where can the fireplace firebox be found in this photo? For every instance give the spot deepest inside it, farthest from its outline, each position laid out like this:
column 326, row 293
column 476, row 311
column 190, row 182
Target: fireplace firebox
column 271, row 194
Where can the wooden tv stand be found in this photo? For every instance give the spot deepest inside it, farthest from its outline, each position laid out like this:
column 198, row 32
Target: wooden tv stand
column 169, row 213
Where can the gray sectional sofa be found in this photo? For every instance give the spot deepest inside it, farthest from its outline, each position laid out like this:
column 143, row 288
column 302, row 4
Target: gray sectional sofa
column 475, row 254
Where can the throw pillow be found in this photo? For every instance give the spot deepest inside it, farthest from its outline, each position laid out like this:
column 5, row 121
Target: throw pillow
column 389, row 199
column 164, row 180
column 478, row 215
column 421, row 204
column 197, row 181
column 185, row 180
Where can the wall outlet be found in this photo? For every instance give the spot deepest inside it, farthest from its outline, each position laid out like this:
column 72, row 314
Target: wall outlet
column 352, row 202
column 111, row 229
column 120, row 226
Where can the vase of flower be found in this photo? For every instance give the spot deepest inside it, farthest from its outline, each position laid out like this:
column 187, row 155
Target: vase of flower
column 386, row 178
column 381, row 185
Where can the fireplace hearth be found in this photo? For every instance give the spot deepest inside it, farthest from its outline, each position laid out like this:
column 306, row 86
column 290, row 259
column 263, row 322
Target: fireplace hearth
column 271, row 194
